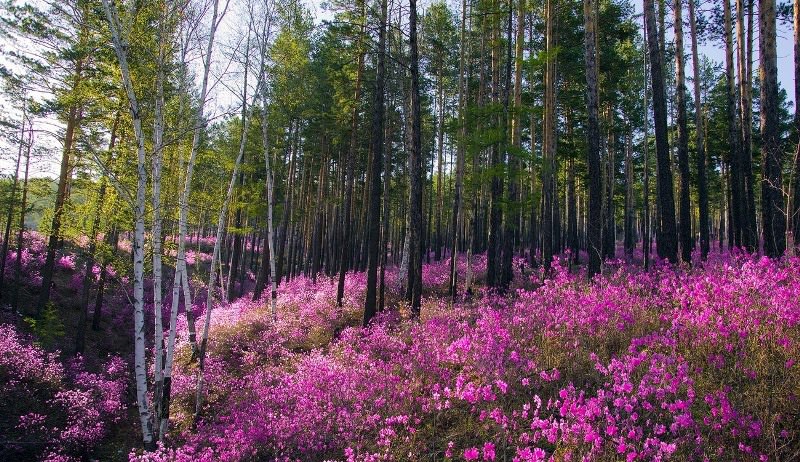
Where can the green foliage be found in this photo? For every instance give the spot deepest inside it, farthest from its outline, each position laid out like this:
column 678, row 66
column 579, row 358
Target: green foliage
column 48, row 328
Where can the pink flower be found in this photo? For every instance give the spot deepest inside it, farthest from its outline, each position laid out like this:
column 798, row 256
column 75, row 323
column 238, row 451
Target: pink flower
column 488, row 451
column 471, row 454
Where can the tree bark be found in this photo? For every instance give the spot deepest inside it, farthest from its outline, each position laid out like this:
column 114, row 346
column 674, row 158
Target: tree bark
column 374, row 216
column 10, row 216
column 21, row 232
column 772, row 211
column 140, row 365
column 702, row 180
column 749, row 232
column 686, row 240
column 493, row 256
column 415, row 170
column 73, row 121
column 549, row 132
column 457, row 200
column 796, row 199
column 594, row 221
column 666, row 240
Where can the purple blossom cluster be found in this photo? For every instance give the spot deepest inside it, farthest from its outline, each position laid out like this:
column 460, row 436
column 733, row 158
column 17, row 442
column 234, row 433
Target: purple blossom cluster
column 671, row 364
column 53, row 411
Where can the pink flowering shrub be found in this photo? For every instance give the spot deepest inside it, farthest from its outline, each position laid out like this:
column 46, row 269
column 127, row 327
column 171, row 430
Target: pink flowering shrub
column 673, row 364
column 31, row 259
column 50, row 411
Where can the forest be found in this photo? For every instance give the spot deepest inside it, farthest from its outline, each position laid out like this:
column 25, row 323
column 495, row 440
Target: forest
column 377, row 230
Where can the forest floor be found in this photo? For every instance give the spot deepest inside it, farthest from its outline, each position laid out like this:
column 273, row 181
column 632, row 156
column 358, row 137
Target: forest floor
column 683, row 363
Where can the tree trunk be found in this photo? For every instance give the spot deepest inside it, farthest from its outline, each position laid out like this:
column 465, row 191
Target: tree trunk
column 10, row 216
column 374, row 213
column 749, row 233
column 21, row 232
column 796, row 200
column 512, row 211
column 594, row 243
column 415, row 170
column 683, row 138
column 344, row 261
column 702, row 181
column 140, row 365
column 772, row 211
column 735, row 156
column 630, row 241
column 666, row 240
column 548, row 157
column 73, row 121
column 457, row 205
column 495, row 213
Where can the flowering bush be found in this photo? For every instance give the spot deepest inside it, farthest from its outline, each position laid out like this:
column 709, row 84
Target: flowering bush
column 50, row 411
column 666, row 365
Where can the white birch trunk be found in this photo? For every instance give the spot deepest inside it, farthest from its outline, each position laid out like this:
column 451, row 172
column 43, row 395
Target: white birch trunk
column 181, row 273
column 221, row 220
column 140, row 368
column 270, row 247
column 158, row 137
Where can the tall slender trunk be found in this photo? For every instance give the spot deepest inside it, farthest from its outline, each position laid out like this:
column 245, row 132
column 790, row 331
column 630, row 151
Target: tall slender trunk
column 512, row 199
column 415, row 170
column 156, row 160
column 461, row 153
column 772, row 211
column 630, row 240
column 80, row 335
column 683, row 138
column 548, row 157
column 437, row 240
column 287, row 203
column 646, row 166
column 495, row 213
column 377, row 144
column 702, row 181
column 21, row 231
column 749, row 233
column 666, row 240
column 735, row 156
column 10, row 216
column 796, row 200
column 73, row 121
column 140, row 365
column 594, row 243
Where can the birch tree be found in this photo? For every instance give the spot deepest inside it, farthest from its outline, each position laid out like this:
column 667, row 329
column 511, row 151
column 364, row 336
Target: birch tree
column 120, row 43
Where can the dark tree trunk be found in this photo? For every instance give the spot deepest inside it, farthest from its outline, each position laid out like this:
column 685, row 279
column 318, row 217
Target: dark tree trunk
column 415, row 170
column 736, row 178
column 493, row 255
column 630, row 240
column 73, row 121
column 594, row 221
column 21, row 231
column 457, row 206
column 345, row 238
column 666, row 238
column 749, row 232
column 374, row 215
column 548, row 157
column 702, row 181
column 796, row 199
column 771, row 186
column 683, row 138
